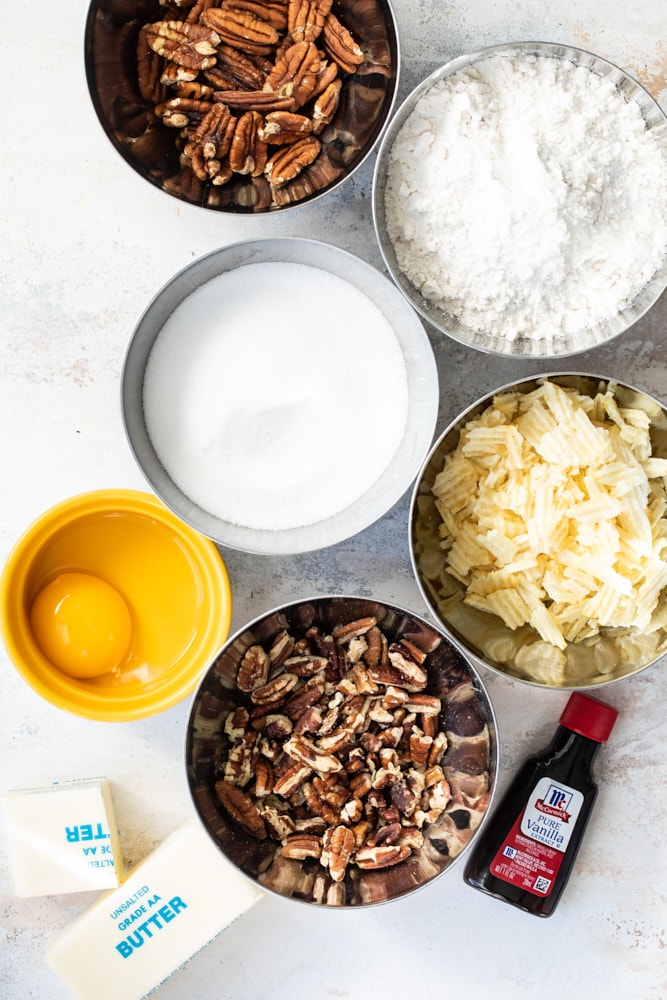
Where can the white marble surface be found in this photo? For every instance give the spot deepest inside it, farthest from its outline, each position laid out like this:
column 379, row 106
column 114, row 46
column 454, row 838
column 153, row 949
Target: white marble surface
column 85, row 245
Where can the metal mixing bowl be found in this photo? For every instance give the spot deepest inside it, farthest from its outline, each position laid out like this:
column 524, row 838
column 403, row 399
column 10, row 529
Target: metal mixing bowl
column 483, row 636
column 149, row 147
column 470, row 762
column 422, row 386
column 490, row 341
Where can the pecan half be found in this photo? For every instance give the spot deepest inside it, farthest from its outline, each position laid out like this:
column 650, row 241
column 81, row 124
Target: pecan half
column 241, row 808
column 340, row 45
column 295, row 73
column 241, row 29
column 191, row 45
column 273, row 13
column 305, row 18
column 254, row 100
column 290, row 160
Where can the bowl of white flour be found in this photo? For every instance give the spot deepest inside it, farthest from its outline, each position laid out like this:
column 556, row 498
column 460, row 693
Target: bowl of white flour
column 279, row 395
column 520, row 200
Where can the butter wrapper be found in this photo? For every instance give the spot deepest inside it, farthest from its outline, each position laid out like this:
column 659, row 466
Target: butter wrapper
column 170, row 906
column 62, row 838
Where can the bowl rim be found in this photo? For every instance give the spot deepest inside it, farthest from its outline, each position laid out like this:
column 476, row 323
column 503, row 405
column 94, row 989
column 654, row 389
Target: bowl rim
column 480, row 689
column 394, row 38
column 423, row 393
column 71, row 694
column 656, row 120
column 455, row 426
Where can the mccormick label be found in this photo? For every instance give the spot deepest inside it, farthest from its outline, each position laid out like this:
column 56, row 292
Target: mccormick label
column 531, row 854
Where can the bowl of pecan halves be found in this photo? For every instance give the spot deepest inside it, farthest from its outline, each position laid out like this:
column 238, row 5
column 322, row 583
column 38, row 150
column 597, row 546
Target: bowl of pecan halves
column 242, row 105
column 341, row 751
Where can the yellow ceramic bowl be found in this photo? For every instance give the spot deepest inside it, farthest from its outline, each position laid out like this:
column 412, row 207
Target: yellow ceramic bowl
column 171, row 579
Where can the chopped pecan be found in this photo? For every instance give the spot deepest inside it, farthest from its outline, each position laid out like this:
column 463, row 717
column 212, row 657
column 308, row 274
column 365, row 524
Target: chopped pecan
column 301, row 846
column 305, row 18
column 241, row 808
column 283, row 644
column 350, row 630
column 340, row 847
column 236, row 722
column 276, row 690
column 420, row 746
column 280, row 824
column 305, row 665
column 277, row 727
column 190, row 45
column 239, row 767
column 302, row 749
column 263, row 777
column 423, row 704
column 382, row 857
column 241, row 29
column 340, row 45
column 291, row 779
column 310, row 721
column 254, row 667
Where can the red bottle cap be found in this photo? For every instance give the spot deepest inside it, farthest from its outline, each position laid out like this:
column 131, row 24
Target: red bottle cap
column 588, row 717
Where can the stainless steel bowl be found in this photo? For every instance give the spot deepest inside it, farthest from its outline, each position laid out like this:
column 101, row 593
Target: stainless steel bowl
column 422, row 386
column 470, row 763
column 484, row 637
column 149, row 147
column 488, row 340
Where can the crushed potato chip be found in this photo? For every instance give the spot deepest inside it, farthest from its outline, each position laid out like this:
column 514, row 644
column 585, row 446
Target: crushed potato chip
column 554, row 516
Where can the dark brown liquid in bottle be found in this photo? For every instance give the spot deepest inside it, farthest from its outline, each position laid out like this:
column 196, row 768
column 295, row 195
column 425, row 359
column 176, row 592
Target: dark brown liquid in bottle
column 566, row 761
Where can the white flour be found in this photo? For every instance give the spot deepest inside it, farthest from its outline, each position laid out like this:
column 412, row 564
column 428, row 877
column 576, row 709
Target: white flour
column 527, row 198
column 275, row 395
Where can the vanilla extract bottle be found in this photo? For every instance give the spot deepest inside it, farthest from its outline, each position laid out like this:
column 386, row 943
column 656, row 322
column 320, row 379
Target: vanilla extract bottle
column 525, row 852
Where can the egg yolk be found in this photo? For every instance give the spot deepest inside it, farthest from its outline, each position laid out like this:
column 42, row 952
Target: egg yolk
column 81, row 624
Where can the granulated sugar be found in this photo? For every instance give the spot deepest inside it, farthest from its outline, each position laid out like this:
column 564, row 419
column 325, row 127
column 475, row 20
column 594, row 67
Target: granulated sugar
column 526, row 197
column 276, row 395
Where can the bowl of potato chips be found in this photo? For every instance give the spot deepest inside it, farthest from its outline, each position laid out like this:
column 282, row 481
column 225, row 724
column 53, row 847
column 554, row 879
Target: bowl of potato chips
column 538, row 530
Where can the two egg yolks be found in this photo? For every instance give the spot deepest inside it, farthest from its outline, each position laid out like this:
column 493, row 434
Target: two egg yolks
column 81, row 624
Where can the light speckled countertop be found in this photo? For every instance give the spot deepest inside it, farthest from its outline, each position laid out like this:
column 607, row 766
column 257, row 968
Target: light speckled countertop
column 85, row 245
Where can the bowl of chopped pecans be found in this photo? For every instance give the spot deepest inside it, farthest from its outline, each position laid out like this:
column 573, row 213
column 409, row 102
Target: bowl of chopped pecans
column 242, row 105
column 341, row 751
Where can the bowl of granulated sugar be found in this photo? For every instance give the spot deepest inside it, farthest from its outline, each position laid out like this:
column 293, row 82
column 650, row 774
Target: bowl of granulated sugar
column 279, row 395
column 520, row 200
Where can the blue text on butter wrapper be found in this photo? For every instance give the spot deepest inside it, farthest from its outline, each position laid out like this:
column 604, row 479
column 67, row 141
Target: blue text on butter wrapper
column 164, row 915
column 85, row 831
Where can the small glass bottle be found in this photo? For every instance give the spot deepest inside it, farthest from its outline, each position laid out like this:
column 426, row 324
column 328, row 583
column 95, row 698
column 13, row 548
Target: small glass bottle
column 525, row 852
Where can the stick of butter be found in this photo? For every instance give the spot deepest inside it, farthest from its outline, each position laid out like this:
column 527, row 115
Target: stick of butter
column 171, row 905
column 62, row 838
